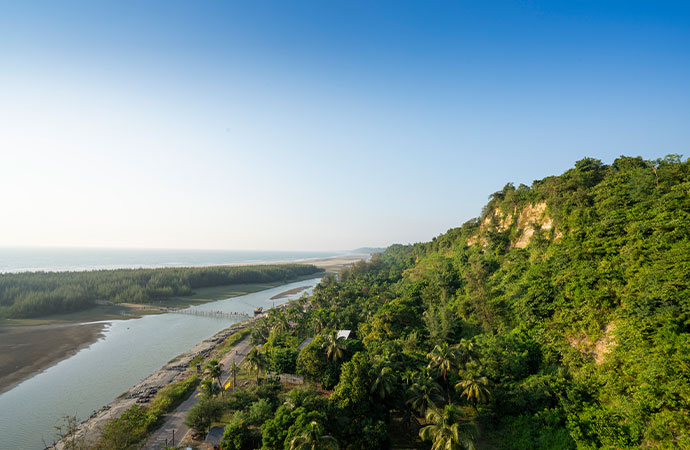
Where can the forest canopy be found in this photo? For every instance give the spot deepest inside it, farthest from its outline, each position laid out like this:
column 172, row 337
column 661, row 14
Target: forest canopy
column 559, row 319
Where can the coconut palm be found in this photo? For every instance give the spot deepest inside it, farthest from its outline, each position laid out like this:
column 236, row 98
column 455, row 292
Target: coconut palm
column 335, row 348
column 443, row 358
column 385, row 382
column 319, row 322
column 314, row 438
column 447, row 429
column 280, row 322
column 465, row 351
column 209, row 388
column 474, row 386
column 256, row 361
column 424, row 394
column 214, row 369
column 234, row 370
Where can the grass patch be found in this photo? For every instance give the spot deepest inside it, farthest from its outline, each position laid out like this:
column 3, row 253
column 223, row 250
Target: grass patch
column 232, row 341
column 135, row 424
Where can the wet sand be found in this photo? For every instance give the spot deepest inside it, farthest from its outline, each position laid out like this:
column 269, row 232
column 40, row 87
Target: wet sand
column 290, row 292
column 28, row 350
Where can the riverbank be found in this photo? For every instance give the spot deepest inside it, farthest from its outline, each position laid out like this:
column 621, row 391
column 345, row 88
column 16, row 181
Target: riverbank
column 30, row 346
column 176, row 370
column 27, row 350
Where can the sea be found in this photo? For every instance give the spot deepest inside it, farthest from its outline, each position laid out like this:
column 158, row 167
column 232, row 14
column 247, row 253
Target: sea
column 58, row 259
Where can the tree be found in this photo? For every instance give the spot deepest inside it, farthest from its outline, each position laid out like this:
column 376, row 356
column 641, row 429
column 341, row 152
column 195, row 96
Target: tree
column 474, row 386
column 209, row 388
column 314, row 438
column 384, row 383
column 236, row 435
column 234, row 370
column 257, row 362
column 214, row 369
column 424, row 394
column 67, row 432
column 204, row 413
column 447, row 430
column 335, row 349
column 465, row 351
column 443, row 358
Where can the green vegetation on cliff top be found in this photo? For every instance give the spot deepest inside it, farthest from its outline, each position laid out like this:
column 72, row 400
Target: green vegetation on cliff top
column 559, row 319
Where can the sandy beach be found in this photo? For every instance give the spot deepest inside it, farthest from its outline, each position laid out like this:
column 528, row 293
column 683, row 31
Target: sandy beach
column 336, row 263
column 27, row 350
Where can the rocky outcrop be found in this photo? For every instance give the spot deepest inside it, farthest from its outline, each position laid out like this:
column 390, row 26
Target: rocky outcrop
column 526, row 222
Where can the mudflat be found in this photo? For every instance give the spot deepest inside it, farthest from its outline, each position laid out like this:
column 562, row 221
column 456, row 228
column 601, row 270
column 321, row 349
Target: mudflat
column 27, row 350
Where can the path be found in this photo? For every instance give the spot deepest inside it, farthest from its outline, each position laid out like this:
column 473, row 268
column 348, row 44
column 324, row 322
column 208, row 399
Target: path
column 175, row 420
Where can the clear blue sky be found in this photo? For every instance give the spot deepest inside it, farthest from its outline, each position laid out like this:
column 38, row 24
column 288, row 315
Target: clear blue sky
column 317, row 125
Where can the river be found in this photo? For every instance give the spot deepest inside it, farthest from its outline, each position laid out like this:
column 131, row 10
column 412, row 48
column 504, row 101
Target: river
column 129, row 351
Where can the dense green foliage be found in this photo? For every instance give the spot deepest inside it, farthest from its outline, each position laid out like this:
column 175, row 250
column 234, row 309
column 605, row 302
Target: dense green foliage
column 40, row 293
column 560, row 319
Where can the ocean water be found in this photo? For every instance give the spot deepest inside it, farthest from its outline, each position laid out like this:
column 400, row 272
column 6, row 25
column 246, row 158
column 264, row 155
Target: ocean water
column 27, row 259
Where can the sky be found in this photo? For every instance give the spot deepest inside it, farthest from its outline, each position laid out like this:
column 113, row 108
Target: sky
column 312, row 125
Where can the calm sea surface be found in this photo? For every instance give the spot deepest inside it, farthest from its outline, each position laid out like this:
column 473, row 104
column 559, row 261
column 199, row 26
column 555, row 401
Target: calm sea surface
column 128, row 353
column 16, row 259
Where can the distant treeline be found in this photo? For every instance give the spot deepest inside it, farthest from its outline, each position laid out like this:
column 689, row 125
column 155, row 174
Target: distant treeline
column 32, row 294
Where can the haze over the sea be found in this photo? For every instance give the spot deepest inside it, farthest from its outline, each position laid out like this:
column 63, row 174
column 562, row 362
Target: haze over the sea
column 25, row 259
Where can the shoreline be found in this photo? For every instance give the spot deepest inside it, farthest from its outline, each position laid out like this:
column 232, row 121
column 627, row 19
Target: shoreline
column 29, row 347
column 26, row 351
column 141, row 393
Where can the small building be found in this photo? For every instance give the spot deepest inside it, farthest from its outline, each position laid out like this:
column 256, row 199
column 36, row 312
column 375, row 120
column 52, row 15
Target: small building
column 345, row 334
column 215, row 435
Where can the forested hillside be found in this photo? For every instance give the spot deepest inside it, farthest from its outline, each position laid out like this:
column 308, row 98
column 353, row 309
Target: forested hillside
column 559, row 319
column 40, row 293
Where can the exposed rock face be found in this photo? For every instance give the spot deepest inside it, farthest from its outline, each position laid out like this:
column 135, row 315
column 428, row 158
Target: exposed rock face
column 598, row 349
column 527, row 221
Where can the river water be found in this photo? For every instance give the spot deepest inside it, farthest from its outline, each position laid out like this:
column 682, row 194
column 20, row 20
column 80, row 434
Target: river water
column 129, row 351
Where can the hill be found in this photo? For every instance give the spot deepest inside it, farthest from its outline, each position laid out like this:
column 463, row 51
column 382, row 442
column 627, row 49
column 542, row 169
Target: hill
column 558, row 319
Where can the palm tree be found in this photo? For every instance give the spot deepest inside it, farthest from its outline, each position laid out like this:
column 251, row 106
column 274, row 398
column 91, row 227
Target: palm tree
column 209, row 388
column 214, row 369
column 280, row 322
column 335, row 349
column 256, row 361
column 384, row 384
column 319, row 322
column 234, row 370
column 447, row 430
column 314, row 439
column 474, row 386
column 465, row 351
column 443, row 358
column 424, row 394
